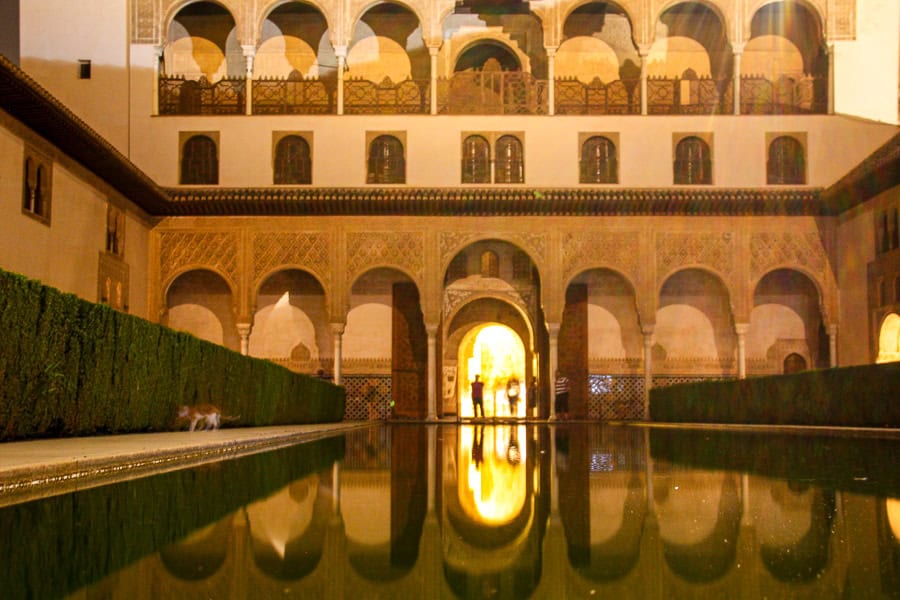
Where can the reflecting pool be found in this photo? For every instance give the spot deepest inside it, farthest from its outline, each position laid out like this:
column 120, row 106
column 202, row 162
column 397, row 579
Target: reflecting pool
column 482, row 511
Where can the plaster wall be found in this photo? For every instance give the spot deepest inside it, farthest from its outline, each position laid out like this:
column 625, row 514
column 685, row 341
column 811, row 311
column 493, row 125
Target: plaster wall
column 867, row 69
column 65, row 253
column 56, row 34
column 856, row 249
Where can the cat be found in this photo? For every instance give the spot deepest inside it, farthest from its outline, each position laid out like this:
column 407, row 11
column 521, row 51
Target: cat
column 203, row 417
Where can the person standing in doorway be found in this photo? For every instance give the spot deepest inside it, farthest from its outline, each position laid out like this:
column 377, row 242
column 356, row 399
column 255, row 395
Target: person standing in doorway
column 562, row 396
column 477, row 397
column 512, row 396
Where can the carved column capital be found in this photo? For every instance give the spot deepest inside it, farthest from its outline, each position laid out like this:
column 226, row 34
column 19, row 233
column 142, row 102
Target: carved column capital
column 337, row 328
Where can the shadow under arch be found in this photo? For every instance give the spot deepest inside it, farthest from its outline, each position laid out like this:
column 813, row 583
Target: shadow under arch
column 201, row 554
column 273, row 7
column 207, row 289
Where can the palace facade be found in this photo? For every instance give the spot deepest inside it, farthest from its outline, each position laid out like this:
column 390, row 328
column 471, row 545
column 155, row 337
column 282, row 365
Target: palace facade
column 406, row 194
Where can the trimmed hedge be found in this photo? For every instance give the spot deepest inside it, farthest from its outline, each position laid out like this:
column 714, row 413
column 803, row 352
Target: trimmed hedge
column 862, row 396
column 73, row 368
column 56, row 546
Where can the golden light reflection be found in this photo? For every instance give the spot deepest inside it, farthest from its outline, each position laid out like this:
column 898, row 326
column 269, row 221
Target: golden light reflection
column 889, row 340
column 892, row 507
column 492, row 475
column 497, row 354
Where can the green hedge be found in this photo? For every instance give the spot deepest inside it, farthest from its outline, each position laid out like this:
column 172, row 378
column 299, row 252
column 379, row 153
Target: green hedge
column 55, row 547
column 73, row 368
column 862, row 396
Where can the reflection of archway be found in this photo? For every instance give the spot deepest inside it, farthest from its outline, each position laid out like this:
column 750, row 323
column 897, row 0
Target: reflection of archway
column 496, row 353
column 201, row 554
column 889, row 340
column 794, row 363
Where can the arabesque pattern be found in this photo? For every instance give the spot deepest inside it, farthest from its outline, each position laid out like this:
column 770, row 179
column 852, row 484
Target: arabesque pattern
column 311, row 250
column 616, row 249
column 711, row 249
column 386, row 248
column 769, row 250
column 217, row 250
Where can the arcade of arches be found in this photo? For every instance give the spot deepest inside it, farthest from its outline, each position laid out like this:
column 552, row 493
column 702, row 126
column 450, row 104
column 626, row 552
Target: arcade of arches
column 404, row 311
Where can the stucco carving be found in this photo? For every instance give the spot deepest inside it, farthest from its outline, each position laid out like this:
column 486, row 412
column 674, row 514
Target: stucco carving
column 715, row 250
column 310, row 250
column 215, row 250
column 386, row 248
column 615, row 249
column 451, row 242
column 770, row 250
column 145, row 22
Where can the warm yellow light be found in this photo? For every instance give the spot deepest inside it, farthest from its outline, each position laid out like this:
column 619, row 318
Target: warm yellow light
column 492, row 474
column 495, row 353
column 889, row 340
column 892, row 507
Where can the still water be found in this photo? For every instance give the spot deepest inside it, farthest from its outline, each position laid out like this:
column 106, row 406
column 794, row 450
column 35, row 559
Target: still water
column 495, row 511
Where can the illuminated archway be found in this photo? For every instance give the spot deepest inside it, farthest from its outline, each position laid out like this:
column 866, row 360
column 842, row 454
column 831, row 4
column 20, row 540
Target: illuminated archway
column 889, row 340
column 497, row 354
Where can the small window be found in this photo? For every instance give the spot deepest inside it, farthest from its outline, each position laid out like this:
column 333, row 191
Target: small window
column 476, row 160
column 598, row 161
column 510, row 167
column 693, row 164
column 293, row 164
column 199, row 161
column 490, row 264
column 386, row 161
column 36, row 179
column 84, row 69
column 115, row 231
column 786, row 164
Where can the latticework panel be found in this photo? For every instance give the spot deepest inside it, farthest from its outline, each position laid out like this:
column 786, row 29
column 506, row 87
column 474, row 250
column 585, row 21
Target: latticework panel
column 368, row 450
column 616, row 449
column 368, row 397
column 616, row 397
column 667, row 380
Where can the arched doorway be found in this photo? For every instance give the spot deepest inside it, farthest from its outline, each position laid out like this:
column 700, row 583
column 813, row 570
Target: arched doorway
column 889, row 340
column 495, row 353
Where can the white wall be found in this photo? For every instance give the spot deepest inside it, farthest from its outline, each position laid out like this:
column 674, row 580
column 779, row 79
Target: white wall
column 867, row 69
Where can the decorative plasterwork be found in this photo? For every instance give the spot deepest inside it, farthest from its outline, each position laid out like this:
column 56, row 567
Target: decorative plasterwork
column 272, row 249
column 215, row 250
column 145, row 21
column 451, row 242
column 462, row 291
column 386, row 248
column 715, row 250
column 618, row 250
column 771, row 250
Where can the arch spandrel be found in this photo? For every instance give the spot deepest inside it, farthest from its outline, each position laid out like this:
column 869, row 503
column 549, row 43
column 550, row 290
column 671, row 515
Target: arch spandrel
column 217, row 251
column 307, row 251
column 461, row 42
column 817, row 9
column 714, row 252
column 723, row 9
column 633, row 10
column 240, row 13
column 358, row 8
column 400, row 250
column 534, row 245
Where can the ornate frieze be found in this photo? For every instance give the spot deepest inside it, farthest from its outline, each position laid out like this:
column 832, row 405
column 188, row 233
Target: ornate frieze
column 713, row 249
column 770, row 250
column 615, row 249
column 386, row 248
column 217, row 250
column 307, row 249
column 451, row 242
column 145, row 21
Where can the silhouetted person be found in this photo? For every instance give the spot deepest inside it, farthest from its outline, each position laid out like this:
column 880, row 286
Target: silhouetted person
column 478, row 446
column 477, row 397
column 512, row 396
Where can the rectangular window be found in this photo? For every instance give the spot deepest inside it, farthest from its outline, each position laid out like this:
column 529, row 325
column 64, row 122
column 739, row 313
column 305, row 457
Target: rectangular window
column 84, row 69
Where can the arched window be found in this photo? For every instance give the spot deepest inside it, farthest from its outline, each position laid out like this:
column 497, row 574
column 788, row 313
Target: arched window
column 40, row 187
column 490, row 264
column 693, row 164
column 598, row 161
column 36, row 173
column 786, row 164
column 28, row 185
column 509, row 164
column 292, row 161
column 794, row 363
column 199, row 161
column 476, row 160
column 386, row 162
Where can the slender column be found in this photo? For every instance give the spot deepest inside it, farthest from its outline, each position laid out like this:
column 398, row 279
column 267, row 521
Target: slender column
column 341, row 53
column 551, row 80
column 249, row 53
column 431, row 330
column 745, row 499
column 158, row 68
column 432, row 470
column 553, row 328
column 738, row 50
column 243, row 330
column 648, row 368
column 832, row 345
column 644, row 53
column 741, row 330
column 337, row 330
column 433, row 53
column 336, row 487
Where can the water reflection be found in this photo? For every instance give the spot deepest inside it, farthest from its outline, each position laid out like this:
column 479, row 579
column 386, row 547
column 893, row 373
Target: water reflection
column 482, row 511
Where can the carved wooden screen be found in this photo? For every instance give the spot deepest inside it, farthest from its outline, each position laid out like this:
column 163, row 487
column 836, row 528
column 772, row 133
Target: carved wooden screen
column 292, row 161
column 573, row 348
column 476, row 161
column 409, row 355
column 786, row 164
column 598, row 161
column 199, row 162
column 693, row 164
column 510, row 167
column 386, row 162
